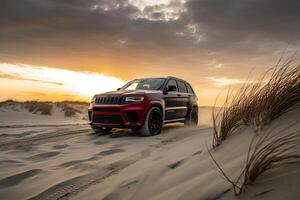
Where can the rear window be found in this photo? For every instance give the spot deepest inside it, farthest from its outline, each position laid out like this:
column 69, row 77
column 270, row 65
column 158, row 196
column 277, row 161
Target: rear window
column 189, row 88
column 181, row 87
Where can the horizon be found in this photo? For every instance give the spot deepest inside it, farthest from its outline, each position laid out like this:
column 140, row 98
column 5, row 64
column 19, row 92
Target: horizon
column 70, row 50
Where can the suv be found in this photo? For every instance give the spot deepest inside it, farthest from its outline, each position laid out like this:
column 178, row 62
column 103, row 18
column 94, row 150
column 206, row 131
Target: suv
column 144, row 105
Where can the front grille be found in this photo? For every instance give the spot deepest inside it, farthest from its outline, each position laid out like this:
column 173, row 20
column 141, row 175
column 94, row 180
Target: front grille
column 109, row 100
column 108, row 119
column 107, row 109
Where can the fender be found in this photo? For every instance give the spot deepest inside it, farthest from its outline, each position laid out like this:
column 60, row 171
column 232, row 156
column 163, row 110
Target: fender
column 160, row 104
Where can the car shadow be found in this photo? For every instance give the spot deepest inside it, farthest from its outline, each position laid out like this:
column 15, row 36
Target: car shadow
column 129, row 133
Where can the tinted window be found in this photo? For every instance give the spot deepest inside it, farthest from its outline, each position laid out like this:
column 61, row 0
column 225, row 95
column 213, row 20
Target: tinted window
column 172, row 82
column 189, row 88
column 181, row 87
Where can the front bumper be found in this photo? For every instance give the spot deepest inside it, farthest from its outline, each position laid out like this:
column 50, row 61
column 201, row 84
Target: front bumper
column 118, row 116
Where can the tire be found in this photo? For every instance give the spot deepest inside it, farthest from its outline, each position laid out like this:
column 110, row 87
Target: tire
column 153, row 123
column 101, row 130
column 192, row 118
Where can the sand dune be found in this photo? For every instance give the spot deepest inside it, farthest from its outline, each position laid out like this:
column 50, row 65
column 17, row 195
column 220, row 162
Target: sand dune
column 13, row 113
column 71, row 162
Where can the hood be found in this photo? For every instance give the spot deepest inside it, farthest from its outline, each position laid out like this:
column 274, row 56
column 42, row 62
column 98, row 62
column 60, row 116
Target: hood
column 128, row 92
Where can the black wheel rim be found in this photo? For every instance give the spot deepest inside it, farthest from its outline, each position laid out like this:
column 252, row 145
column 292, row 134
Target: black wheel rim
column 155, row 122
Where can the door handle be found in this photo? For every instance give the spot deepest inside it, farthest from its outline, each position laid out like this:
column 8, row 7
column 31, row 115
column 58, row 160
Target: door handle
column 179, row 95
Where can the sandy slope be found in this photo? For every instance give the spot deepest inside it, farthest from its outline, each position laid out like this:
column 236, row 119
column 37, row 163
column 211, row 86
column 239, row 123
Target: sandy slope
column 70, row 162
column 14, row 114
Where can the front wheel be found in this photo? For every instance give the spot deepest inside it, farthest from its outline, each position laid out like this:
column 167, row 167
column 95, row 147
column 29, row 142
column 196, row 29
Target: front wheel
column 101, row 130
column 153, row 123
column 192, row 118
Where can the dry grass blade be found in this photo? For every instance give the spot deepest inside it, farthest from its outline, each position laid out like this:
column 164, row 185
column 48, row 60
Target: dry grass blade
column 278, row 95
column 258, row 103
column 273, row 153
column 235, row 186
column 265, row 152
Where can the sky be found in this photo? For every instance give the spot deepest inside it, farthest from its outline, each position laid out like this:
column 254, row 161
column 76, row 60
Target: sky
column 70, row 49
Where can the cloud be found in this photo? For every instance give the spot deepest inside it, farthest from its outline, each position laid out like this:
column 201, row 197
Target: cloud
column 225, row 21
column 83, row 28
column 221, row 21
column 79, row 83
column 18, row 77
column 221, row 82
column 245, row 22
column 166, row 10
column 127, row 37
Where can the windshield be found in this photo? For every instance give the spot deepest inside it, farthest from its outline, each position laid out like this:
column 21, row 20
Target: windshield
column 145, row 84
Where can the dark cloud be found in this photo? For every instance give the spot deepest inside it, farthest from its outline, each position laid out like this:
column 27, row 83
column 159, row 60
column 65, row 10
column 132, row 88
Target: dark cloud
column 236, row 20
column 80, row 25
column 193, row 34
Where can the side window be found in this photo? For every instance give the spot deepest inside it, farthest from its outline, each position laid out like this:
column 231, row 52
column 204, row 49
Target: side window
column 172, row 82
column 181, row 87
column 189, row 88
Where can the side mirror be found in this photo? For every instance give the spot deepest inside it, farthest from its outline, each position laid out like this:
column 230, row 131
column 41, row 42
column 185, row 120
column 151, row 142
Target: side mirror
column 118, row 89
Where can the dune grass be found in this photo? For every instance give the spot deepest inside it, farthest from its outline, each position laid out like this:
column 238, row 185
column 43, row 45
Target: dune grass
column 69, row 111
column 38, row 107
column 7, row 102
column 258, row 103
column 70, row 108
column 266, row 151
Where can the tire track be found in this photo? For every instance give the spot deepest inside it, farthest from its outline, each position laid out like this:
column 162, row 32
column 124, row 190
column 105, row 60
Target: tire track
column 39, row 125
column 56, row 134
column 70, row 188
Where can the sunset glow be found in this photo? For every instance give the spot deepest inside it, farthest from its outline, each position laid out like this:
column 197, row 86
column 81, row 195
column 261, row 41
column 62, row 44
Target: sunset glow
column 226, row 81
column 87, row 47
column 79, row 85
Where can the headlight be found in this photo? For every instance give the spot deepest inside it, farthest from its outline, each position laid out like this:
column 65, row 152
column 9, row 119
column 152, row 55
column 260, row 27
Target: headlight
column 93, row 100
column 134, row 99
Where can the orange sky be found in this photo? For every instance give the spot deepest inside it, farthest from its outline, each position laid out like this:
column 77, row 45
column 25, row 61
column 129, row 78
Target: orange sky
column 27, row 82
column 73, row 49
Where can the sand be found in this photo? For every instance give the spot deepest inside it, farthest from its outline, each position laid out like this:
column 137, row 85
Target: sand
column 14, row 114
column 68, row 161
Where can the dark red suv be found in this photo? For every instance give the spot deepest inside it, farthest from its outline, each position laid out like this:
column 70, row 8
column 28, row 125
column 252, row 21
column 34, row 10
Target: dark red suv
column 145, row 105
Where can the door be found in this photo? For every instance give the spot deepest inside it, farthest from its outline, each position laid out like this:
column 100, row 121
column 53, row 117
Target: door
column 183, row 100
column 175, row 102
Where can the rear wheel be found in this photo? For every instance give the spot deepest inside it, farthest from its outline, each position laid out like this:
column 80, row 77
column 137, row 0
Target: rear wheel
column 192, row 118
column 101, row 130
column 153, row 123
